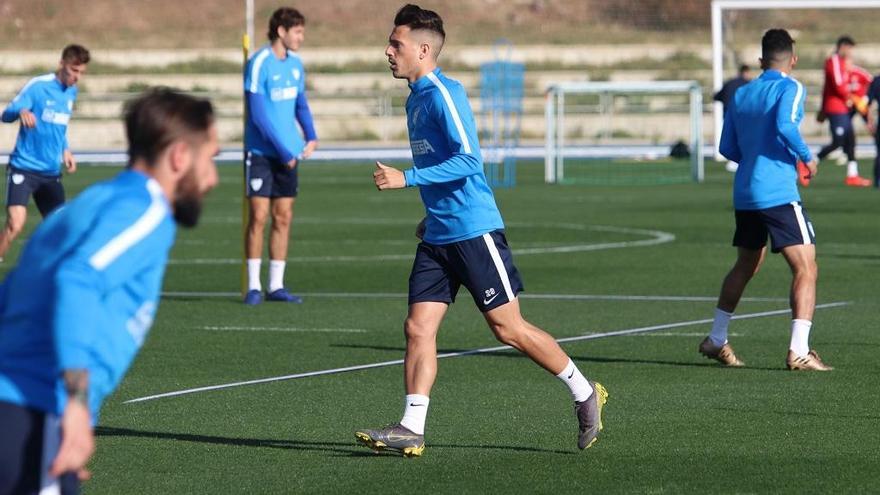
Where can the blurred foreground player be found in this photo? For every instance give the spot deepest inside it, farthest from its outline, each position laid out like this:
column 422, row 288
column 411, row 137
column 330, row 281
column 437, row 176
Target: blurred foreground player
column 463, row 240
column 761, row 134
column 77, row 308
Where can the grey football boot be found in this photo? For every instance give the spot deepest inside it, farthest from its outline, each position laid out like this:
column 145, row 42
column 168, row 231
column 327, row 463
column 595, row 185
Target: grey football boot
column 396, row 437
column 589, row 414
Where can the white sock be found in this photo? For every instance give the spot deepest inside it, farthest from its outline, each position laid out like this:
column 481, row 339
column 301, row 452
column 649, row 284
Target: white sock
column 852, row 169
column 718, row 335
column 800, row 337
column 578, row 385
column 253, row 267
column 276, row 274
column 415, row 410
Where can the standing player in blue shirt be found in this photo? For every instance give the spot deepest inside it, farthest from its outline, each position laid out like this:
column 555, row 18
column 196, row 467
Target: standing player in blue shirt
column 77, row 308
column 761, row 133
column 463, row 240
column 44, row 107
column 275, row 88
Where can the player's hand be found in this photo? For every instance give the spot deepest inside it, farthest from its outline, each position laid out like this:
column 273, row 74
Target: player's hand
column 387, row 177
column 69, row 162
column 28, row 119
column 309, row 149
column 291, row 164
column 420, row 229
column 813, row 167
column 77, row 441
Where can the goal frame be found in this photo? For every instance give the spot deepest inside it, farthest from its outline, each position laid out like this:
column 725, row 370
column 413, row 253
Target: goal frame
column 718, row 9
column 554, row 114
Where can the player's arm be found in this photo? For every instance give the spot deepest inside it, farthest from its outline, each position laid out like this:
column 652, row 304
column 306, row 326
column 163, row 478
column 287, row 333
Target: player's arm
column 729, row 145
column 839, row 79
column 20, row 107
column 873, row 100
column 259, row 114
column 77, row 440
column 789, row 113
column 457, row 125
column 304, row 118
column 67, row 157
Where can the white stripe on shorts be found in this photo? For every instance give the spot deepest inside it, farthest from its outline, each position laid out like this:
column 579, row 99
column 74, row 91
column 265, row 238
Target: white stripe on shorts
column 802, row 223
column 49, row 485
column 499, row 265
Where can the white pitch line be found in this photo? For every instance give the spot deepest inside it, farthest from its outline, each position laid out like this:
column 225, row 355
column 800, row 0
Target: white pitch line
column 484, row 350
column 285, row 329
column 560, row 297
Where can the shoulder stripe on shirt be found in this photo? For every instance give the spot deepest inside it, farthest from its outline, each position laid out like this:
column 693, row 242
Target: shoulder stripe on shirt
column 255, row 69
column 135, row 233
column 797, row 97
column 43, row 78
column 835, row 66
column 452, row 110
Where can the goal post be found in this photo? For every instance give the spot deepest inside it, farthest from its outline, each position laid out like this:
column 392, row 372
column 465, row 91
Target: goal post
column 719, row 7
column 556, row 147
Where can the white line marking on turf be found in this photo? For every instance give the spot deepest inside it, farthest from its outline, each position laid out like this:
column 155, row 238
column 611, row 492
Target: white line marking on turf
column 484, row 350
column 561, row 297
column 285, row 329
column 654, row 237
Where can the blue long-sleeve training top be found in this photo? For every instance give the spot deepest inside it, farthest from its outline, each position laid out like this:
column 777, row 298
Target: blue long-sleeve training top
column 276, row 97
column 447, row 163
column 761, row 133
column 84, row 292
column 40, row 149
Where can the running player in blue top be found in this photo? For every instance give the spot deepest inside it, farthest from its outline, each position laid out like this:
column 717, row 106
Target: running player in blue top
column 44, row 106
column 463, row 240
column 77, row 308
column 761, row 133
column 275, row 87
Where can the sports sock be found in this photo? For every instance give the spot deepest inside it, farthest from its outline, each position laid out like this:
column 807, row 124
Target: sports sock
column 800, row 337
column 253, row 268
column 578, row 385
column 276, row 274
column 415, row 410
column 718, row 335
column 852, row 169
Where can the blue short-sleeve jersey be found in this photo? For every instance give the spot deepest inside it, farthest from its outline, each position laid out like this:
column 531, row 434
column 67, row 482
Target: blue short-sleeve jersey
column 271, row 129
column 40, row 149
column 447, row 162
column 761, row 133
column 84, row 293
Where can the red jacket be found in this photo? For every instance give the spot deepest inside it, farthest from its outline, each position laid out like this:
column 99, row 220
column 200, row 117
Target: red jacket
column 859, row 80
column 835, row 93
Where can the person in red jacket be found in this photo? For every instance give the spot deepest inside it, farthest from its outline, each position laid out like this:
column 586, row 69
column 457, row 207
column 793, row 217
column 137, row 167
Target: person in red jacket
column 837, row 101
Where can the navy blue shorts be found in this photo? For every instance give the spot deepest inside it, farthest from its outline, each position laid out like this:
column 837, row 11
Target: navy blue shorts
column 47, row 190
column 270, row 178
column 483, row 264
column 29, row 441
column 787, row 225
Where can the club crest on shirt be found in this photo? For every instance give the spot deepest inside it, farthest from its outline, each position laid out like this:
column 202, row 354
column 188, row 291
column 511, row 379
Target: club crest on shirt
column 256, row 184
column 296, row 74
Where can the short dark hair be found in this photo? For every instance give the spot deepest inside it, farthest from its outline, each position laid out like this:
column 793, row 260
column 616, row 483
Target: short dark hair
column 775, row 44
column 845, row 40
column 744, row 68
column 416, row 17
column 76, row 54
column 285, row 17
column 160, row 116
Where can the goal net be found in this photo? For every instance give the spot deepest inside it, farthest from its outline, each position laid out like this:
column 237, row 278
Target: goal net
column 624, row 133
column 737, row 27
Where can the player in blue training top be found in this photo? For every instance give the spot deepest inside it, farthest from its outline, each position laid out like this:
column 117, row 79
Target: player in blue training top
column 77, row 308
column 463, row 240
column 275, row 87
column 44, row 106
column 761, row 134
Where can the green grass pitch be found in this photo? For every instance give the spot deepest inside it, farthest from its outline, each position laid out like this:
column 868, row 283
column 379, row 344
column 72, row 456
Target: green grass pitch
column 674, row 422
